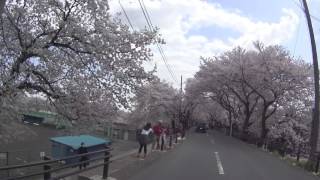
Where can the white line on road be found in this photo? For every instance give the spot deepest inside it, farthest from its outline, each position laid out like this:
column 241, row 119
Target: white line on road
column 220, row 168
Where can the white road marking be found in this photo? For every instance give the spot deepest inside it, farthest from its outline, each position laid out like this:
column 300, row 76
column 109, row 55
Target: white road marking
column 220, row 168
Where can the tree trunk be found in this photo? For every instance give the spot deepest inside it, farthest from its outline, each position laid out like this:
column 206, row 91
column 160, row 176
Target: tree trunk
column 246, row 124
column 315, row 121
column 299, row 152
column 263, row 137
column 264, row 130
column 230, row 123
column 245, row 130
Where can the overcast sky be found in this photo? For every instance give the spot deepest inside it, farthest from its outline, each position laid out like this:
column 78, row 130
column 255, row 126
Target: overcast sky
column 194, row 28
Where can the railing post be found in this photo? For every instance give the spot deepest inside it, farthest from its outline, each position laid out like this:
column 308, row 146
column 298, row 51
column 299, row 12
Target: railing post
column 106, row 165
column 317, row 164
column 176, row 136
column 7, row 163
column 46, row 175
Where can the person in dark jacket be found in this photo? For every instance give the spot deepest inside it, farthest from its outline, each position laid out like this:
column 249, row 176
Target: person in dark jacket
column 83, row 150
column 143, row 140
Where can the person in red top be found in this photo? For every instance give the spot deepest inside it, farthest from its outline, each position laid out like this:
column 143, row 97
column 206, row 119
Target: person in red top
column 157, row 130
column 163, row 137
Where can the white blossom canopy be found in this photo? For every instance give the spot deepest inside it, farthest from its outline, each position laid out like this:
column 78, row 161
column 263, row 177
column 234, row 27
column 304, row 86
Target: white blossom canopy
column 71, row 48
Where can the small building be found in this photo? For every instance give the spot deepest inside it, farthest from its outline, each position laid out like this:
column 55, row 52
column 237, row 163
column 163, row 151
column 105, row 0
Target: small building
column 33, row 117
column 120, row 131
column 68, row 145
column 46, row 118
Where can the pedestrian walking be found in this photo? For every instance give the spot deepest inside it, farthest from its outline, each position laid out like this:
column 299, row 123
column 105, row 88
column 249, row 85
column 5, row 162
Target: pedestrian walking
column 163, row 138
column 143, row 139
column 83, row 150
column 170, row 135
column 157, row 130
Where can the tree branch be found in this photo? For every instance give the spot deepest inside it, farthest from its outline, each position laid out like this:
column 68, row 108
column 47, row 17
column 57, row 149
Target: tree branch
column 27, row 85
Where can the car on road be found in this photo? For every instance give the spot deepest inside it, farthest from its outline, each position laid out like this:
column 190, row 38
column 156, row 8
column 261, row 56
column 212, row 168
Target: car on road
column 201, row 128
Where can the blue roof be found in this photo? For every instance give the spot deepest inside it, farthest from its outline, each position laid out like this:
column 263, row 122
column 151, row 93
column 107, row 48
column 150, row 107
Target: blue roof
column 75, row 141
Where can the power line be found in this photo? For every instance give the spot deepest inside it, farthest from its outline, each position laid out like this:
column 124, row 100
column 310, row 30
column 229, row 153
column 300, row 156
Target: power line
column 149, row 23
column 299, row 5
column 126, row 15
column 151, row 28
column 148, row 15
column 166, row 62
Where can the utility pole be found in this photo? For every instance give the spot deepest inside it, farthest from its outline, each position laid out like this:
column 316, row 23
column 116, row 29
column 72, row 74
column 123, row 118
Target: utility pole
column 231, row 124
column 181, row 85
column 180, row 109
column 315, row 116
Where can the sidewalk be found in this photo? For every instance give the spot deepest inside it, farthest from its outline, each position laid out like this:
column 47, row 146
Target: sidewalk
column 121, row 149
column 124, row 161
column 120, row 160
column 135, row 165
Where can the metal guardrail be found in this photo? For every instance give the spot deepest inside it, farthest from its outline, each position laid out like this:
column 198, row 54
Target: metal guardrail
column 47, row 164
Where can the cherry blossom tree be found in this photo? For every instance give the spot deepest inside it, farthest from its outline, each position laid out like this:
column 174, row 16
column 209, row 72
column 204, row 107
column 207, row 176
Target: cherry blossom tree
column 86, row 63
column 276, row 74
column 250, row 85
column 72, row 52
column 156, row 100
column 223, row 78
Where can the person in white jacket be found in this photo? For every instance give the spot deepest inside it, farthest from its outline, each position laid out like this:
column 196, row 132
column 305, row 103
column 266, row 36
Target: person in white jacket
column 143, row 139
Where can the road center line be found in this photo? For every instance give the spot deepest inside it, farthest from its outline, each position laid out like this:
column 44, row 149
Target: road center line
column 220, row 168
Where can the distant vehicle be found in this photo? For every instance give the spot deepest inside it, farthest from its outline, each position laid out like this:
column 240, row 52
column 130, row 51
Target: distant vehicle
column 201, row 128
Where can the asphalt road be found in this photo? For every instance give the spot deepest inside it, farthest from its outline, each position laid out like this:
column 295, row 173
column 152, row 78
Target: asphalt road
column 218, row 157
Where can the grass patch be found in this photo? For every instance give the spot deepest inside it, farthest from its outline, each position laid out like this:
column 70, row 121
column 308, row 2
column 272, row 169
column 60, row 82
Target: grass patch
column 276, row 153
column 303, row 162
column 293, row 161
